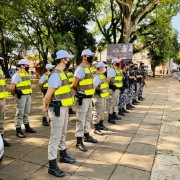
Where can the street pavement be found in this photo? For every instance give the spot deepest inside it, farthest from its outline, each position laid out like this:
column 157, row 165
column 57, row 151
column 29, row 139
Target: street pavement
column 144, row 145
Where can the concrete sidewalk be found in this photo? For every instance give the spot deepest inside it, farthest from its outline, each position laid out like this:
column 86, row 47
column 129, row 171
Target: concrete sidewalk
column 138, row 147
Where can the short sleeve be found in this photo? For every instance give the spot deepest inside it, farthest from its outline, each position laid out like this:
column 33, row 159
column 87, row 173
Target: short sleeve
column 96, row 81
column 54, row 81
column 16, row 79
column 111, row 73
column 42, row 79
column 79, row 73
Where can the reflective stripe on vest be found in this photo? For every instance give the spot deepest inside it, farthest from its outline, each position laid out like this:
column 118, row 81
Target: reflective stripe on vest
column 86, row 84
column 25, row 84
column 3, row 89
column 104, row 86
column 45, row 84
column 70, row 78
column 118, row 79
column 64, row 92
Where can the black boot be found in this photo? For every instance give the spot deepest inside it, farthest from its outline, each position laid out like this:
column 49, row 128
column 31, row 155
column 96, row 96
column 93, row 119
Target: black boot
column 131, row 106
column 44, row 121
column 136, row 101
column 97, row 129
column 101, row 126
column 88, row 138
column 80, row 144
column 29, row 129
column 115, row 116
column 6, row 144
column 140, row 99
column 124, row 110
column 65, row 158
column 128, row 107
column 71, row 111
column 111, row 120
column 19, row 133
column 54, row 169
column 121, row 113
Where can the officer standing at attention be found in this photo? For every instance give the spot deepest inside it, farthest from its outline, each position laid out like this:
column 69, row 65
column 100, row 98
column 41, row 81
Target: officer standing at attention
column 43, row 84
column 143, row 74
column 114, row 79
column 57, row 101
column 3, row 94
column 21, row 90
column 83, row 87
column 69, row 73
column 101, row 94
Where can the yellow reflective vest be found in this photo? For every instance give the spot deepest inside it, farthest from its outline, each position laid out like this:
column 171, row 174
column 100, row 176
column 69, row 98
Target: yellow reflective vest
column 103, row 86
column 70, row 77
column 45, row 84
column 25, row 84
column 3, row 89
column 118, row 79
column 93, row 70
column 64, row 92
column 86, row 84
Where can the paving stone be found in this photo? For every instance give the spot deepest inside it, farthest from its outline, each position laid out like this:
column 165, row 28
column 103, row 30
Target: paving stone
column 6, row 161
column 137, row 161
column 18, row 150
column 19, row 170
column 146, row 125
column 76, row 177
column 42, row 155
column 36, row 141
column 145, row 139
column 141, row 148
column 148, row 132
column 106, row 155
column 154, row 117
column 95, row 169
column 126, row 173
column 154, row 121
column 42, row 174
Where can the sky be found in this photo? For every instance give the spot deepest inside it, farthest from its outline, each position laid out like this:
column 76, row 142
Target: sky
column 176, row 23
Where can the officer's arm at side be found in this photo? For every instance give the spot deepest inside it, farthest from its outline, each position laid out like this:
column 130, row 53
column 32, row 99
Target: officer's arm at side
column 40, row 85
column 12, row 88
column 108, row 79
column 48, row 96
column 75, row 83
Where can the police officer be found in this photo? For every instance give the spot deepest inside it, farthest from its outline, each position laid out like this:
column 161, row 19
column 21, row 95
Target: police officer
column 83, row 87
column 57, row 101
column 132, row 83
column 143, row 74
column 114, row 79
column 93, row 68
column 21, row 90
column 139, row 82
column 43, row 84
column 3, row 94
column 101, row 94
column 69, row 73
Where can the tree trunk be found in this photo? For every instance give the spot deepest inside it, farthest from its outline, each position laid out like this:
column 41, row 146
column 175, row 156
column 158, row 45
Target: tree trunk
column 153, row 68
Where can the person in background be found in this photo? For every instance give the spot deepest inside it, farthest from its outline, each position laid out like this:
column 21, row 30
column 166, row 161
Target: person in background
column 21, row 90
column 93, row 68
column 83, row 87
column 101, row 94
column 3, row 95
column 43, row 85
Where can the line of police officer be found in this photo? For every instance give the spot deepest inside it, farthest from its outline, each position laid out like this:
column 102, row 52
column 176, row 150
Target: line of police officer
column 59, row 96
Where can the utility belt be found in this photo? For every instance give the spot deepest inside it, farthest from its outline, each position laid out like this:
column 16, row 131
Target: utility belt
column 81, row 97
column 19, row 93
column 44, row 91
column 56, row 107
column 113, row 87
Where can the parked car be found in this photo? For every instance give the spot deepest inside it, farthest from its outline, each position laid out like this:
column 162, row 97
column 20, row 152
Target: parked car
column 149, row 73
column 1, row 149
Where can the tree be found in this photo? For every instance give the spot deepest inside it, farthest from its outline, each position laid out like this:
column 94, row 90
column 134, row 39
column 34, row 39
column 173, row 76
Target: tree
column 120, row 21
